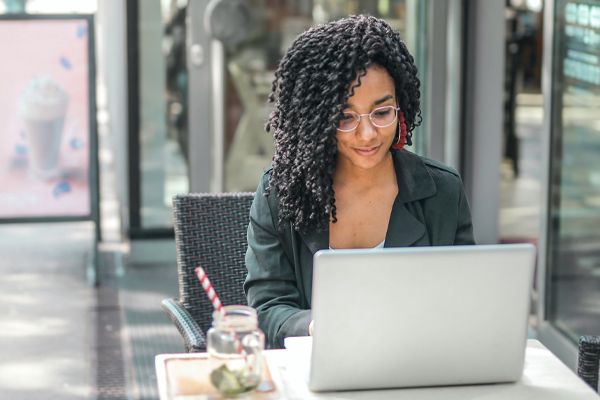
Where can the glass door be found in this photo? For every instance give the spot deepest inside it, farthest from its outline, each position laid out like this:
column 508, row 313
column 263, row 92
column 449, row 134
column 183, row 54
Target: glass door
column 572, row 282
column 158, row 137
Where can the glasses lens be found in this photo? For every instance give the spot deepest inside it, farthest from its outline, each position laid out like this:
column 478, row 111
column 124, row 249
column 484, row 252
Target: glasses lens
column 383, row 116
column 348, row 121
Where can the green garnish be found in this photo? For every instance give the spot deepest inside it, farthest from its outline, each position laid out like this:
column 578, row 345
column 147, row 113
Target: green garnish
column 232, row 383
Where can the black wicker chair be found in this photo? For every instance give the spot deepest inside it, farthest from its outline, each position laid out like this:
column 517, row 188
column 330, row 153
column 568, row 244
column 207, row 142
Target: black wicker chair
column 210, row 231
column 588, row 360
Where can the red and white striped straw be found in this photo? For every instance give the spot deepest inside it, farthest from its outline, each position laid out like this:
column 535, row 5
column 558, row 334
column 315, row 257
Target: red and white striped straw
column 208, row 289
column 214, row 299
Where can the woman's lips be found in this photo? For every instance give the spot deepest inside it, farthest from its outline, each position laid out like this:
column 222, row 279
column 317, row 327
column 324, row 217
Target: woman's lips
column 367, row 151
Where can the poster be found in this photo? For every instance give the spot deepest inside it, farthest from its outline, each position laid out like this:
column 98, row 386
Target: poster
column 45, row 128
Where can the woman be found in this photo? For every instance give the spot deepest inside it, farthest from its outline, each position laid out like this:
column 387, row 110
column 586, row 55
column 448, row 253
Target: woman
column 346, row 100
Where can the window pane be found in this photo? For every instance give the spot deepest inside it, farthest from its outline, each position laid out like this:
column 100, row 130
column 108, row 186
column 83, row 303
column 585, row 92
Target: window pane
column 521, row 166
column 574, row 215
column 163, row 109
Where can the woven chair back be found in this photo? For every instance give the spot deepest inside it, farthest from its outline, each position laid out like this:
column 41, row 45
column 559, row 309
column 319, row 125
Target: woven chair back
column 210, row 231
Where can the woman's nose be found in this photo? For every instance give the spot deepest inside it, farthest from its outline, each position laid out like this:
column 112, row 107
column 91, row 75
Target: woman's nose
column 365, row 128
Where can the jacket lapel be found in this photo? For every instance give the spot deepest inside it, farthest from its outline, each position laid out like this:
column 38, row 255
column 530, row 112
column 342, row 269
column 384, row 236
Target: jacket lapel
column 404, row 229
column 414, row 183
column 316, row 241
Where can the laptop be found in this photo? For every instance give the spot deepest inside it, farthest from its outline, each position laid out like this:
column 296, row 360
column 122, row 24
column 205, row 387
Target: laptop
column 427, row 316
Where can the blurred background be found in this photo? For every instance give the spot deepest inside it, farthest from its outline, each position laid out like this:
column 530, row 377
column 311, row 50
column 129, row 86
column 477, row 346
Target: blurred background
column 112, row 107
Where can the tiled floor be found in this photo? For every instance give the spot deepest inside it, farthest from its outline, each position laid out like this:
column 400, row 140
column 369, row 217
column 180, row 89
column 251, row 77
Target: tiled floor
column 61, row 338
column 148, row 330
column 47, row 329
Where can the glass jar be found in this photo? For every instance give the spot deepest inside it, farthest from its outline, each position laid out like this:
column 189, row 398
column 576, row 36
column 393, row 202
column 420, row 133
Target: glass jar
column 235, row 345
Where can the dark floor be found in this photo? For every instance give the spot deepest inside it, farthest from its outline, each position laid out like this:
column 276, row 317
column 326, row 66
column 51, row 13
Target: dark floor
column 149, row 331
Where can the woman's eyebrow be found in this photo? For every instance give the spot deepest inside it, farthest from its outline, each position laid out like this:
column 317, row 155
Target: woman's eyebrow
column 383, row 99
column 377, row 102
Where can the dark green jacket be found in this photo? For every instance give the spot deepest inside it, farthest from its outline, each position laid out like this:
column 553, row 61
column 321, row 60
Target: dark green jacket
column 430, row 210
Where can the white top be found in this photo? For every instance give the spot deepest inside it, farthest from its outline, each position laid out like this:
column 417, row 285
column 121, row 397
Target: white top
column 379, row 246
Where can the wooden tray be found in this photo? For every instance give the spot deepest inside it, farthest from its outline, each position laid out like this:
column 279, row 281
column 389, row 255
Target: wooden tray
column 186, row 376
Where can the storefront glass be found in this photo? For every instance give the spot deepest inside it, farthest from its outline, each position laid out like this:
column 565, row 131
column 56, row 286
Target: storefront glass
column 573, row 277
column 521, row 167
column 162, row 109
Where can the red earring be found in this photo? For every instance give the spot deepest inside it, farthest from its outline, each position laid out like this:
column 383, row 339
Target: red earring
column 403, row 132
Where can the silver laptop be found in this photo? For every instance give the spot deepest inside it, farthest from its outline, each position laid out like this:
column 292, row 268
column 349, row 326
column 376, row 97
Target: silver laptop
column 428, row 316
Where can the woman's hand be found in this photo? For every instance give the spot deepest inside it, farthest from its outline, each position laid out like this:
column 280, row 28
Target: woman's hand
column 311, row 327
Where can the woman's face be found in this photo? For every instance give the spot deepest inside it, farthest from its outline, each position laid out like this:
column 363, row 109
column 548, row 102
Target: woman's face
column 367, row 146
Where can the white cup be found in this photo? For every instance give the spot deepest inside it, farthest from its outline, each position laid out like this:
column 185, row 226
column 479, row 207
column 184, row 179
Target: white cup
column 42, row 106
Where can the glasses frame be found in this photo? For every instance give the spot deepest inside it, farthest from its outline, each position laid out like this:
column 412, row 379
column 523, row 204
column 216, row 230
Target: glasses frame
column 370, row 118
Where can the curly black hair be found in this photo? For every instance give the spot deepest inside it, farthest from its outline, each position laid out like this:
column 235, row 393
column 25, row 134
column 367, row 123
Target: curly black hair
column 310, row 89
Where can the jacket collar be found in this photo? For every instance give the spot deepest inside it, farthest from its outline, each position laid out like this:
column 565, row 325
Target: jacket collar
column 414, row 181
column 404, row 229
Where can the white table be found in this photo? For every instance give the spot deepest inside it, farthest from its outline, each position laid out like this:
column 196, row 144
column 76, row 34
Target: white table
column 545, row 377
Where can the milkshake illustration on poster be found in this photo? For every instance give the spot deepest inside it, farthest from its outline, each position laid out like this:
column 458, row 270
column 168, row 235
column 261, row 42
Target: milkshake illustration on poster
column 44, row 118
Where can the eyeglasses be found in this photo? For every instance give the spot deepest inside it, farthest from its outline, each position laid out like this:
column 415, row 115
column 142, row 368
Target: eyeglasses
column 380, row 117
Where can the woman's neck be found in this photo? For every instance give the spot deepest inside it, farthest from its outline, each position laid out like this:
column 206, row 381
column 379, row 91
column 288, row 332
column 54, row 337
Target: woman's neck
column 348, row 174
